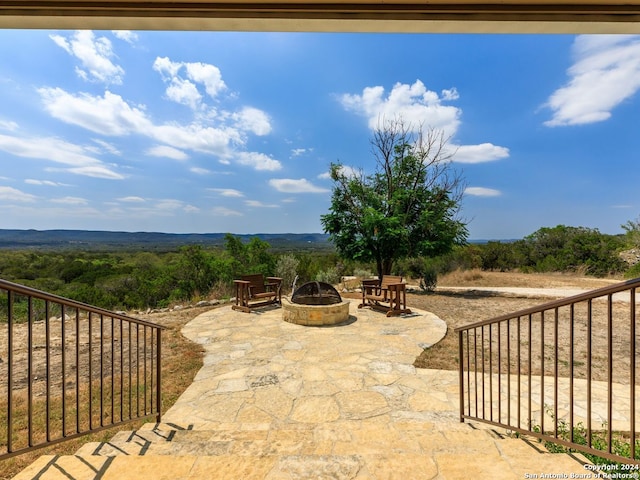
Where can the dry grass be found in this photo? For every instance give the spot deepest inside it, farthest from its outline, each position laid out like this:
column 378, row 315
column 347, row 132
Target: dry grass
column 479, row 278
column 463, row 308
column 181, row 361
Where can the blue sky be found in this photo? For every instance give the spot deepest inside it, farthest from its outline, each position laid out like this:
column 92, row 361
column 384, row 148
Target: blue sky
column 234, row 132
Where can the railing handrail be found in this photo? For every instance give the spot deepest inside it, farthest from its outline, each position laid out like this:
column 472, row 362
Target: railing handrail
column 122, row 381
column 563, row 302
column 510, row 371
column 33, row 292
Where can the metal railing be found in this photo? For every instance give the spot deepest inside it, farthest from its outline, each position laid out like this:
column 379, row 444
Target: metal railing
column 565, row 371
column 68, row 369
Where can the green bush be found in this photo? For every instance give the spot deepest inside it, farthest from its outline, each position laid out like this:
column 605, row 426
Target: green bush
column 363, row 273
column 330, row 275
column 429, row 279
column 413, row 267
column 619, row 444
column 633, row 272
column 287, row 268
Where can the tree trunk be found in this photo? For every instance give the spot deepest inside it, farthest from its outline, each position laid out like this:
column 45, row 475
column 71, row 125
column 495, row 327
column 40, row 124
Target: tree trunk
column 384, row 266
column 387, row 265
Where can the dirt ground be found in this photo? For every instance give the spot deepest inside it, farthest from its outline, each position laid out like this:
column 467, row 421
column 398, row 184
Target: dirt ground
column 461, row 308
column 480, row 278
column 170, row 320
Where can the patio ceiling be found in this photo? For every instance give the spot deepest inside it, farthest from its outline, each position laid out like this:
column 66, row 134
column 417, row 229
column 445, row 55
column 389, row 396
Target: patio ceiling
column 469, row 16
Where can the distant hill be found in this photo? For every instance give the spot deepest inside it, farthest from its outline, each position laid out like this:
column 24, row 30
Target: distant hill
column 99, row 240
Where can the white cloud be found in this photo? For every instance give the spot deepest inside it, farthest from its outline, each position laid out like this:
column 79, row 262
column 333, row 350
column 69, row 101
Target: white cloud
column 450, row 94
column 184, row 92
column 53, row 149
column 8, row 125
column 132, row 199
column 258, row 161
column 94, row 55
column 253, row 120
column 290, row 185
column 166, row 67
column 605, row 72
column 169, row 204
column 413, row 103
column 208, row 75
column 217, row 141
column 485, row 152
column 482, row 192
column 47, row 183
column 108, row 147
column 108, row 115
column 256, row 203
column 225, row 212
column 168, row 152
column 70, row 201
column 296, row 152
column 112, row 115
column 419, row 107
column 126, row 35
column 228, row 192
column 144, row 208
column 96, row 171
column 200, row 171
column 15, row 195
column 184, row 89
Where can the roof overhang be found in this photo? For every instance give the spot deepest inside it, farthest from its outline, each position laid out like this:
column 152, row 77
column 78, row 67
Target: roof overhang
column 435, row 16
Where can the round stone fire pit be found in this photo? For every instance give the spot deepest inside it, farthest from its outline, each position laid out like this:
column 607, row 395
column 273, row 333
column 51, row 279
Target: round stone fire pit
column 315, row 304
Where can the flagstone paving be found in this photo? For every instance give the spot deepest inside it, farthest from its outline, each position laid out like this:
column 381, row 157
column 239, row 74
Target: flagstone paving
column 276, row 400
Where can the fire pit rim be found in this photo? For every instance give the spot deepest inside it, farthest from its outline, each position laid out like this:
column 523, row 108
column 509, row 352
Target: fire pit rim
column 325, row 291
column 315, row 315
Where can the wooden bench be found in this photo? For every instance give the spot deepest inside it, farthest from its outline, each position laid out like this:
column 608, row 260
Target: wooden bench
column 387, row 294
column 253, row 291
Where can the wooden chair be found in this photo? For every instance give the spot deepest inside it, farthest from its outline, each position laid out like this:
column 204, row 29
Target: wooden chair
column 253, row 291
column 387, row 294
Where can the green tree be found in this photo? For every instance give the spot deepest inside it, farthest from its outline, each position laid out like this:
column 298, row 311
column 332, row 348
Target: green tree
column 252, row 257
column 408, row 207
column 632, row 233
column 287, row 269
column 564, row 248
column 194, row 273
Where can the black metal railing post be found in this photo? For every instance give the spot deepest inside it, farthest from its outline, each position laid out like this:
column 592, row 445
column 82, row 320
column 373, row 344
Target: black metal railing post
column 600, row 352
column 49, row 365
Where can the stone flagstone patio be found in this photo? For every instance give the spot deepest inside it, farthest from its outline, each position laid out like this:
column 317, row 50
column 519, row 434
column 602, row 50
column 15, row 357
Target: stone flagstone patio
column 276, row 400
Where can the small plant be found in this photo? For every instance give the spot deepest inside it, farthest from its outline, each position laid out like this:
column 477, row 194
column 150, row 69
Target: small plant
column 362, row 273
column 429, row 279
column 415, row 267
column 620, row 445
column 330, row 275
column 286, row 268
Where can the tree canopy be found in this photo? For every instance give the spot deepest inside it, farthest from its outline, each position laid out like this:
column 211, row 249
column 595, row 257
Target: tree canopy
column 408, row 207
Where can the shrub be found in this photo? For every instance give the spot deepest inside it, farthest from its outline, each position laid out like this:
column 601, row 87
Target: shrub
column 633, row 272
column 415, row 267
column 429, row 279
column 620, row 445
column 330, row 275
column 362, row 273
column 286, row 268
